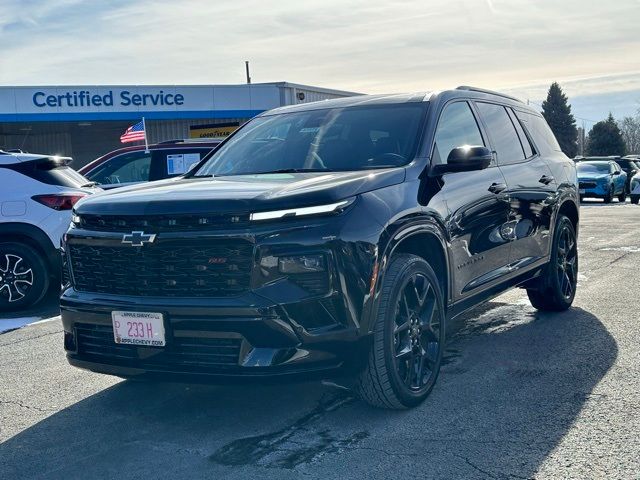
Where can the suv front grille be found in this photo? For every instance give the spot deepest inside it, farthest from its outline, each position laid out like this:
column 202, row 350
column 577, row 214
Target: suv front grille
column 217, row 268
column 162, row 223
column 97, row 341
column 587, row 185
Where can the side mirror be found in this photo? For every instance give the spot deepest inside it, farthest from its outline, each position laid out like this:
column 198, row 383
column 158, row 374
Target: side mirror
column 465, row 159
column 615, row 173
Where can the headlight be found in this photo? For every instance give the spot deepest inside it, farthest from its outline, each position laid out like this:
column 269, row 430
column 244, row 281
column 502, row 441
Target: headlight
column 301, row 264
column 75, row 220
column 303, row 211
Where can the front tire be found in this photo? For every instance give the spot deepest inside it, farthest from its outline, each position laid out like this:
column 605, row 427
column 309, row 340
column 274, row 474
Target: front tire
column 635, row 199
column 408, row 337
column 556, row 288
column 623, row 196
column 24, row 277
column 608, row 198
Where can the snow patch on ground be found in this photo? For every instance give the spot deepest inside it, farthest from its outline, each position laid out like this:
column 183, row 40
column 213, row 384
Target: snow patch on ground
column 627, row 249
column 581, row 279
column 502, row 318
column 8, row 324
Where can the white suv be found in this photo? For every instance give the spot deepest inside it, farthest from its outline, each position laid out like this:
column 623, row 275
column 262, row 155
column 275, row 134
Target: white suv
column 37, row 193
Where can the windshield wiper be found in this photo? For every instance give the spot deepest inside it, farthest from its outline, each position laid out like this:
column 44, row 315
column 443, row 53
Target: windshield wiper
column 284, row 170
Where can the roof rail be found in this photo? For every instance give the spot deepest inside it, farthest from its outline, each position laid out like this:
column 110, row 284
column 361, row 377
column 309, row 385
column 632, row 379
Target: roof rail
column 490, row 92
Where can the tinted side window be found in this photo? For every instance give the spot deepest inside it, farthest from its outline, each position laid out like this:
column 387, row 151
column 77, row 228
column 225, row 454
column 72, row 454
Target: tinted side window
column 128, row 167
column 524, row 140
column 540, row 132
column 457, row 126
column 502, row 133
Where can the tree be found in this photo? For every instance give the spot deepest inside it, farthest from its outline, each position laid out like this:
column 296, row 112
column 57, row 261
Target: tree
column 557, row 112
column 605, row 138
column 630, row 129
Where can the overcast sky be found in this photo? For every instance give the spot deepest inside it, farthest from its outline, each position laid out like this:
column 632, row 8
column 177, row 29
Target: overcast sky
column 592, row 47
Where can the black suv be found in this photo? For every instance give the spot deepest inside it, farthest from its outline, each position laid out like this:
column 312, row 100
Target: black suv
column 335, row 238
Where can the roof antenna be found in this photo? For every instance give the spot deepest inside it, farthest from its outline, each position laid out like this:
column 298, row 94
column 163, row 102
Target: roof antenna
column 246, row 66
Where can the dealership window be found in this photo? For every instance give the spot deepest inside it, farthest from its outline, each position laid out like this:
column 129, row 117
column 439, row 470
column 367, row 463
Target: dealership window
column 126, row 168
column 457, row 127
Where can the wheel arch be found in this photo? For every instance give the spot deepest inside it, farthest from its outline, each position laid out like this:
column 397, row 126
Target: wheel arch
column 35, row 238
column 569, row 209
column 426, row 240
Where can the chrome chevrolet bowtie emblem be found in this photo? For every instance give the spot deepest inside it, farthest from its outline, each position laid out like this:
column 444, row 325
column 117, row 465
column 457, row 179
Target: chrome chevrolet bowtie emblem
column 138, row 239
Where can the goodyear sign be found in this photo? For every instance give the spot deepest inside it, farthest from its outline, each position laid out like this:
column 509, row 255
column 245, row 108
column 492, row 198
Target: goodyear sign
column 216, row 130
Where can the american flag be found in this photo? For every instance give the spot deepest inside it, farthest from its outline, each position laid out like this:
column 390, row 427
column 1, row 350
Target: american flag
column 133, row 133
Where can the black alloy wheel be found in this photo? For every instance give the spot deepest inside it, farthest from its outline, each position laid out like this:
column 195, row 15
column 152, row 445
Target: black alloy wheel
column 23, row 276
column 556, row 288
column 409, row 334
column 567, row 262
column 416, row 334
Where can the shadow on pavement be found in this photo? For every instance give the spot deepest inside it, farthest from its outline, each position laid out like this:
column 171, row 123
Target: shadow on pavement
column 513, row 383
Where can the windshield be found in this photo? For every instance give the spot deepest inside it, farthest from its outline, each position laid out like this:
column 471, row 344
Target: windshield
column 593, row 167
column 337, row 139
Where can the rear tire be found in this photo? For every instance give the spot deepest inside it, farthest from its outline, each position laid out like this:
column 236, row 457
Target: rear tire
column 24, row 277
column 622, row 197
column 635, row 199
column 557, row 285
column 408, row 337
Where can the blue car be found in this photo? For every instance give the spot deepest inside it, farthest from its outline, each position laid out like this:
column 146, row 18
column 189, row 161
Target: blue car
column 602, row 179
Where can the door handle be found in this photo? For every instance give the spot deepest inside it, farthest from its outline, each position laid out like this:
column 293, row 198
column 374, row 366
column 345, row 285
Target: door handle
column 546, row 179
column 497, row 187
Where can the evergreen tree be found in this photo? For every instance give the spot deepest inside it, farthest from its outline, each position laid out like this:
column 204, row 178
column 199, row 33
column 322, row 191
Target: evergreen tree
column 605, row 138
column 557, row 112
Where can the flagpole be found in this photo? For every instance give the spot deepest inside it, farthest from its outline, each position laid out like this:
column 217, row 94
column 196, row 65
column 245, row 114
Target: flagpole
column 146, row 143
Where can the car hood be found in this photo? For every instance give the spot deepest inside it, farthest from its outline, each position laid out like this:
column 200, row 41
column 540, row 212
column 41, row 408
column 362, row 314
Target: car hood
column 238, row 194
column 593, row 177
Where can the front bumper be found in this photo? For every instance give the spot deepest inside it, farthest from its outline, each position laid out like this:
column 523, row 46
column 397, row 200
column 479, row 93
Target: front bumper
column 234, row 339
column 594, row 189
column 277, row 328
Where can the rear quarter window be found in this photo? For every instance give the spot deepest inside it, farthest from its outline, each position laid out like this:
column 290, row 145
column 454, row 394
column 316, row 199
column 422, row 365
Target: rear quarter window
column 539, row 131
column 61, row 175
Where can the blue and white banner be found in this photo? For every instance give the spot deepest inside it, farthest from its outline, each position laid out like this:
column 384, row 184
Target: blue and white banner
column 59, row 103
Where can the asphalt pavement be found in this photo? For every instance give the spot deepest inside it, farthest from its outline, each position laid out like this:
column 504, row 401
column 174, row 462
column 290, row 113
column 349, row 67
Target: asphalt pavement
column 521, row 395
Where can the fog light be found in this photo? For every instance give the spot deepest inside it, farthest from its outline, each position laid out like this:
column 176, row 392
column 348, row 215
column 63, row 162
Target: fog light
column 301, row 264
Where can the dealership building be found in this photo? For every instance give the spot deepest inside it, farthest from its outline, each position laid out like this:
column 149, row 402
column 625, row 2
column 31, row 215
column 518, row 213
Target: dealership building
column 85, row 122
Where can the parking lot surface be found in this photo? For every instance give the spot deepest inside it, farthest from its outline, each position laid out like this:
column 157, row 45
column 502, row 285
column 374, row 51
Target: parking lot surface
column 522, row 395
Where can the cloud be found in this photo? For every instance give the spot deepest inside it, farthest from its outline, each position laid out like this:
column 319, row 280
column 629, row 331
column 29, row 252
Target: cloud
column 361, row 45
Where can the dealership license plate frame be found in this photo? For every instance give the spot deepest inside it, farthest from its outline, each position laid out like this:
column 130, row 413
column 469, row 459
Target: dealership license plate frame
column 121, row 330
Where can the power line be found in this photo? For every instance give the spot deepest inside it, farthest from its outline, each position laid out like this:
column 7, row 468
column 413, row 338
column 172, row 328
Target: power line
column 574, row 116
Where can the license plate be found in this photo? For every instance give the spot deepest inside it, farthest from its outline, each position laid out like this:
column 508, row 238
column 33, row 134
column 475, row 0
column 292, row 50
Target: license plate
column 138, row 328
column 582, row 191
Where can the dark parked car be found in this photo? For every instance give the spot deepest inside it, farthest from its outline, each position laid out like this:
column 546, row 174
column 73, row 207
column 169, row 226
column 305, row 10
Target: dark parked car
column 330, row 239
column 131, row 165
column 630, row 167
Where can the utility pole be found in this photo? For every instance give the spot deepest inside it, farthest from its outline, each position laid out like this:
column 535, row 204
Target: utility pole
column 246, row 66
